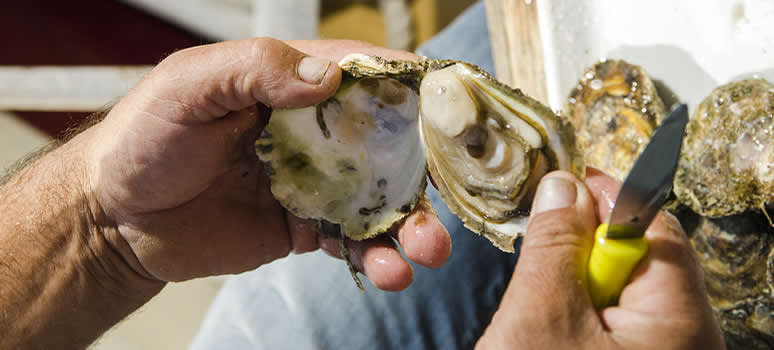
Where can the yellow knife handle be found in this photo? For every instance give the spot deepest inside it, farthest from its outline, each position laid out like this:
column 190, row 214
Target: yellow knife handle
column 610, row 264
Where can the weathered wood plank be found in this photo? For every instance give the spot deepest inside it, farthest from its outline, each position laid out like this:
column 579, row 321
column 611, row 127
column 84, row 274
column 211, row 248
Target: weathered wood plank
column 516, row 45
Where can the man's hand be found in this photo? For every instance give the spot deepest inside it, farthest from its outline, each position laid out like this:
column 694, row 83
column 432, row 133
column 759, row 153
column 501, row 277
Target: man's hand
column 547, row 306
column 168, row 188
column 174, row 169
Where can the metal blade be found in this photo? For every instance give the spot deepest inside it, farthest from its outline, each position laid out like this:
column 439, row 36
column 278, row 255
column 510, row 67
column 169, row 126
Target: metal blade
column 649, row 182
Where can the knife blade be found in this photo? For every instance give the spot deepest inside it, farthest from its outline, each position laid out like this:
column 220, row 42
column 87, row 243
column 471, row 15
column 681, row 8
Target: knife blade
column 649, row 182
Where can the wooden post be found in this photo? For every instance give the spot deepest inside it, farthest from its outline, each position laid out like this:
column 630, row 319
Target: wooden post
column 516, row 45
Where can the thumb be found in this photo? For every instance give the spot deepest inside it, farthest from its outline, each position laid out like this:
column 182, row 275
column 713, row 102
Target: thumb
column 555, row 249
column 207, row 82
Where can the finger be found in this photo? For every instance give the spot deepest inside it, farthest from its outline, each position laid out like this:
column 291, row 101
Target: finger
column 670, row 268
column 666, row 293
column 669, row 273
column 303, row 234
column 377, row 258
column 604, row 188
column 232, row 75
column 555, row 249
column 423, row 239
column 335, row 50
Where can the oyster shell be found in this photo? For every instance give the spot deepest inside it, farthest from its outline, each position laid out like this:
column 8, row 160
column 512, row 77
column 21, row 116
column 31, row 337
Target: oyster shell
column 615, row 107
column 359, row 159
column 736, row 255
column 488, row 146
column 727, row 164
column 724, row 176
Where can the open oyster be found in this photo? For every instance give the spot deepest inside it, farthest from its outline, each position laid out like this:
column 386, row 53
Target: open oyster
column 615, row 107
column 727, row 164
column 359, row 159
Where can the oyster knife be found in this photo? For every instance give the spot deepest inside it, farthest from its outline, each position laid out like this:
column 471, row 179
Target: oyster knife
column 619, row 244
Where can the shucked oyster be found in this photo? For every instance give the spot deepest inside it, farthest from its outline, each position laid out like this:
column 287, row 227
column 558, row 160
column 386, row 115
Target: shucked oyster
column 615, row 107
column 727, row 164
column 488, row 146
column 359, row 159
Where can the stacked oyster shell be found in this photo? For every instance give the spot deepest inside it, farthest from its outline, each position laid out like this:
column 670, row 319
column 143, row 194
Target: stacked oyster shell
column 723, row 186
column 360, row 158
column 726, row 176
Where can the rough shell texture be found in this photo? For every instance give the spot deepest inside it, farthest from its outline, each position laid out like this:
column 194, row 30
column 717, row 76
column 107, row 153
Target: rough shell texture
column 727, row 164
column 736, row 255
column 615, row 107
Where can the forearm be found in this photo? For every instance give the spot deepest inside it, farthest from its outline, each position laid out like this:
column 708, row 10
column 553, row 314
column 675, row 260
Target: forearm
column 64, row 276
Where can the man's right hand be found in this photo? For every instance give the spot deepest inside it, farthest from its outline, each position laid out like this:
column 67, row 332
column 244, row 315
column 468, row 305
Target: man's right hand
column 547, row 306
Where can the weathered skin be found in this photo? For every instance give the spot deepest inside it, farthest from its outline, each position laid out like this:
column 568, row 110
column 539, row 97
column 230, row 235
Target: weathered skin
column 615, row 107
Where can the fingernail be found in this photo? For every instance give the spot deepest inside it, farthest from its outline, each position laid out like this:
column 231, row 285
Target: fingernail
column 554, row 193
column 312, row 69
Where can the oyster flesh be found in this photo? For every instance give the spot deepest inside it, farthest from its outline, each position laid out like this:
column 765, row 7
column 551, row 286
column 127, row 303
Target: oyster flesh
column 727, row 162
column 615, row 107
column 360, row 159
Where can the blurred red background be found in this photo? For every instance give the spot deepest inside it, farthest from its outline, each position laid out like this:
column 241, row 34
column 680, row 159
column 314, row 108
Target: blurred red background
column 83, row 32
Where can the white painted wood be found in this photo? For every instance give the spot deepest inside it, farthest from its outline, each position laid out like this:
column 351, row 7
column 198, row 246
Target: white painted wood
column 77, row 88
column 398, row 24
column 17, row 139
column 286, row 19
column 214, row 19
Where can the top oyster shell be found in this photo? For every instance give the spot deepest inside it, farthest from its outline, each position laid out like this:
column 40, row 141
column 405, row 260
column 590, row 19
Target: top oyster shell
column 727, row 162
column 615, row 108
column 485, row 145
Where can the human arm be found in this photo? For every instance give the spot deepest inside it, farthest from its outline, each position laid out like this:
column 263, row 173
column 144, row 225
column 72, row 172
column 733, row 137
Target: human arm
column 168, row 188
column 547, row 305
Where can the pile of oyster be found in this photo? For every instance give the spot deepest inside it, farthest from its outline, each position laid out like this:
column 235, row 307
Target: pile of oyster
column 359, row 161
column 723, row 188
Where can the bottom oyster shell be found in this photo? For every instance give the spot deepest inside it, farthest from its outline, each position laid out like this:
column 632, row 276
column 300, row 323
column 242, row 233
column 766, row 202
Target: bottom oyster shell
column 487, row 148
column 736, row 255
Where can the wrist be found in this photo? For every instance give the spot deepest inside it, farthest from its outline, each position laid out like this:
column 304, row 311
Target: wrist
column 70, row 279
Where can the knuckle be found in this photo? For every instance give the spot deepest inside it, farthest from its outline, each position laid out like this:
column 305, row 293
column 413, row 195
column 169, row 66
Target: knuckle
column 555, row 229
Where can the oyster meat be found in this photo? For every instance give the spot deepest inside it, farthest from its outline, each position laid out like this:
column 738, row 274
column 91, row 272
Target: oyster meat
column 615, row 107
column 360, row 159
column 727, row 164
column 488, row 146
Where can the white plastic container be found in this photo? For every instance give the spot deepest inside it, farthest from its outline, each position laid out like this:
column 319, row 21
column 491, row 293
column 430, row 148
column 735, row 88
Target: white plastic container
column 691, row 46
